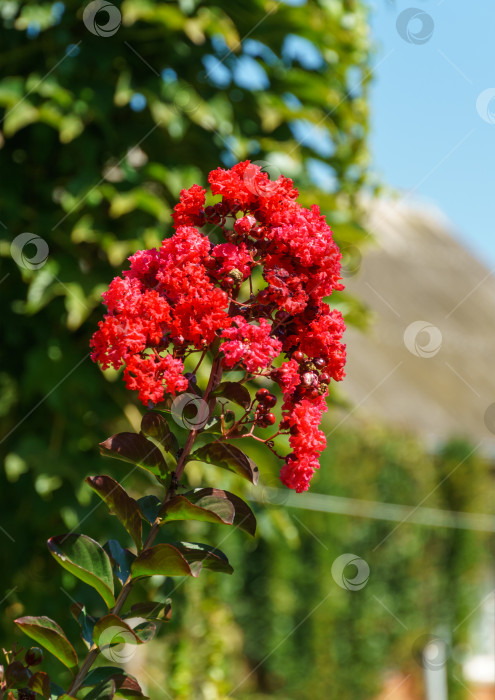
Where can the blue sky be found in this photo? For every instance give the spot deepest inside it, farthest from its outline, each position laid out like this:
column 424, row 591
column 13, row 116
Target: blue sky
column 426, row 132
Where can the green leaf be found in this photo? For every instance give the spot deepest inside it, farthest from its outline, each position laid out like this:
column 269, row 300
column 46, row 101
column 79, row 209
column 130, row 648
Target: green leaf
column 136, row 449
column 164, row 560
column 86, row 622
column 84, row 558
column 149, row 505
column 56, row 692
column 235, row 392
column 40, row 683
column 126, row 685
column 103, row 691
column 244, row 517
column 111, row 630
column 209, row 557
column 155, row 426
column 151, row 610
column 212, row 510
column 121, row 559
column 102, row 673
column 120, row 504
column 227, row 457
column 47, row 633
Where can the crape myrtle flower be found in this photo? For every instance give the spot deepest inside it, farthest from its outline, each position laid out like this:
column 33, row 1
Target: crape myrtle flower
column 244, row 276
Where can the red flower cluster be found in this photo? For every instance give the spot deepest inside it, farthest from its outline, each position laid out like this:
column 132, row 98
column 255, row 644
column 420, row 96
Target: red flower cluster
column 254, row 285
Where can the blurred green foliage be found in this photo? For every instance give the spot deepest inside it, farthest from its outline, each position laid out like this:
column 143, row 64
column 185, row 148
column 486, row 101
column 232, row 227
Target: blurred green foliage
column 303, row 637
column 98, row 134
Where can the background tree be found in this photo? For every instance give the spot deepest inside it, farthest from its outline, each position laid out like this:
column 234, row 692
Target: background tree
column 98, row 135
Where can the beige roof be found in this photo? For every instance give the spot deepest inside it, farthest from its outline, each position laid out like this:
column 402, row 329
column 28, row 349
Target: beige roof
column 428, row 363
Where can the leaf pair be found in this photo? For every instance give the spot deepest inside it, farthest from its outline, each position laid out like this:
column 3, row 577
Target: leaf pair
column 150, row 454
column 211, row 505
column 208, row 505
column 226, row 456
column 179, row 559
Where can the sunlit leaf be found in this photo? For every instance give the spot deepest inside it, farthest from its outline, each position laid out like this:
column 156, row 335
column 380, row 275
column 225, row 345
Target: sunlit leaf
column 209, row 557
column 111, row 629
column 51, row 636
column 152, row 610
column 84, row 558
column 164, row 560
column 136, row 449
column 213, row 510
column 244, row 517
column 155, row 426
column 40, row 683
column 227, row 457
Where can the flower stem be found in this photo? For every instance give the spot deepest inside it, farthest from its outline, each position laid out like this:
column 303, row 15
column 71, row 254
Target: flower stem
column 93, row 653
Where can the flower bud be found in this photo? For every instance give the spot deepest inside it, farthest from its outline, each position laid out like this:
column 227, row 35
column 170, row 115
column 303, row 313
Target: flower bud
column 244, row 224
column 34, row 656
column 309, row 379
column 269, row 400
column 236, row 275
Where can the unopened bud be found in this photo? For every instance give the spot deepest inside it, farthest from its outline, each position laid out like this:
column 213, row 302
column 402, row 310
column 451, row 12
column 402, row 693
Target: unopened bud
column 236, row 275
column 244, row 224
column 309, row 379
column 34, row 655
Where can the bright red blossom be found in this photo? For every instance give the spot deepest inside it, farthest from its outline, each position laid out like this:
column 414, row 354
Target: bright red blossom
column 249, row 345
column 191, row 293
column 152, row 375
